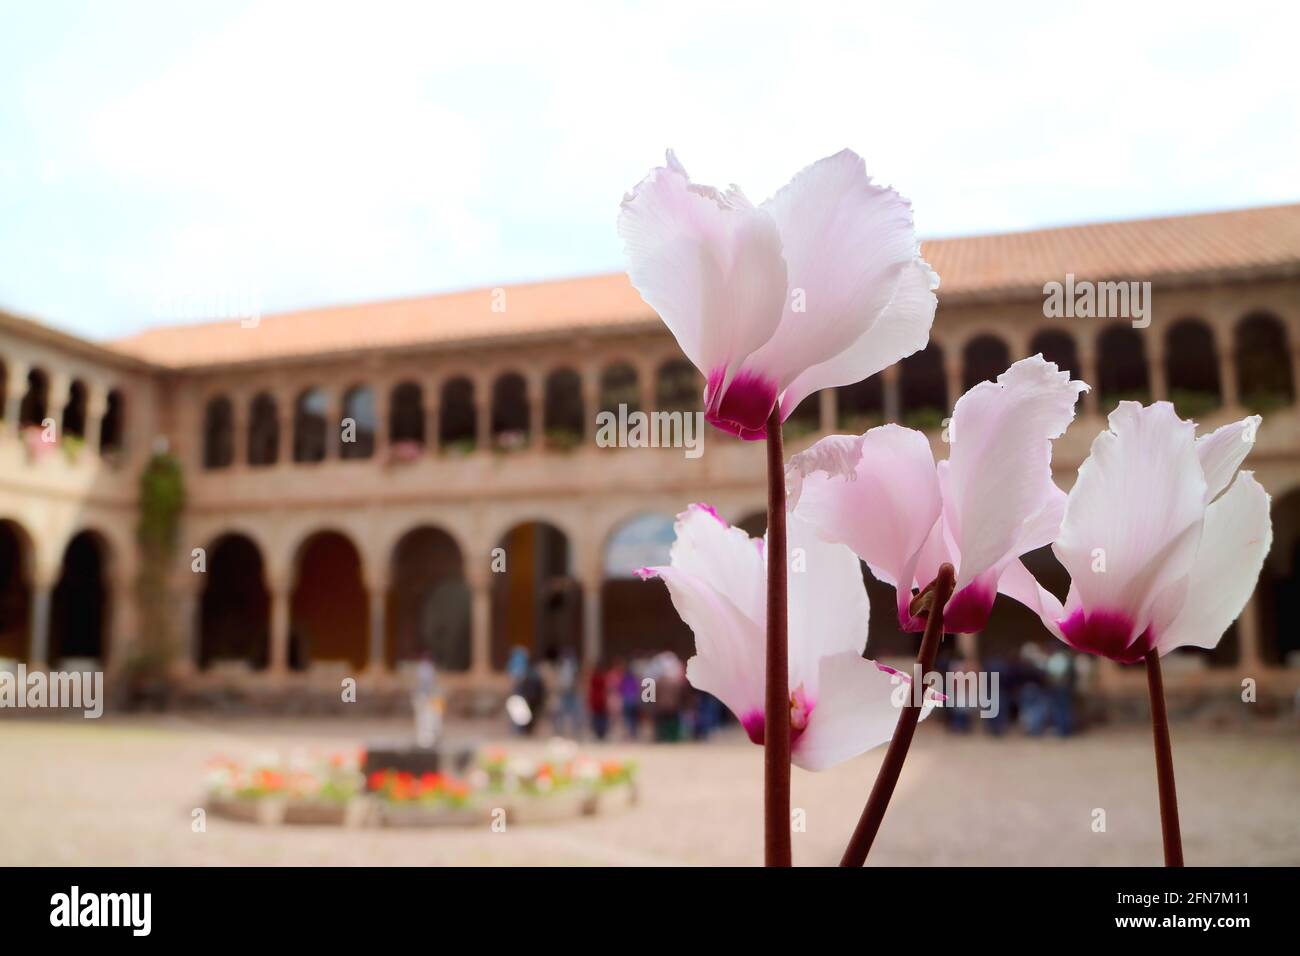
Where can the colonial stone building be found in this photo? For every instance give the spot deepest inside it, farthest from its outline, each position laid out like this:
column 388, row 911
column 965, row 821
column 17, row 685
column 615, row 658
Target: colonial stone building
column 369, row 483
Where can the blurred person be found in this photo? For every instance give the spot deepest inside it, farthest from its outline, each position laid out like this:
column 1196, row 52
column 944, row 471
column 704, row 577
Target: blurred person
column 1033, row 701
column 670, row 678
column 629, row 695
column 999, row 670
column 568, row 708
column 598, row 694
column 1060, row 692
column 533, row 690
column 428, row 703
column 549, row 670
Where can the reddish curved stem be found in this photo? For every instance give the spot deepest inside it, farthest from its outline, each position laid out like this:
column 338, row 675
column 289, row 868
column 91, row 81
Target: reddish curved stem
column 776, row 711
column 1169, row 829
column 855, row 854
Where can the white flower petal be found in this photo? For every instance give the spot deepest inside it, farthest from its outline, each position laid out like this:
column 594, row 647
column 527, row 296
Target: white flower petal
column 1223, row 450
column 1000, row 471
column 730, row 647
column 829, row 609
column 1019, row 584
column 1135, row 511
column 854, row 711
column 847, row 242
column 1234, row 543
column 708, row 262
column 902, row 329
column 727, row 559
column 877, row 493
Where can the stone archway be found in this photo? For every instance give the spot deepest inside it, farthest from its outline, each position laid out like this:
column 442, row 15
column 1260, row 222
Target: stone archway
column 429, row 604
column 536, row 600
column 235, row 606
column 15, row 590
column 79, row 607
column 329, row 608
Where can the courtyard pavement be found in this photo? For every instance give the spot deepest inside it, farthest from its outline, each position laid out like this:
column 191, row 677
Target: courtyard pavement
column 120, row 791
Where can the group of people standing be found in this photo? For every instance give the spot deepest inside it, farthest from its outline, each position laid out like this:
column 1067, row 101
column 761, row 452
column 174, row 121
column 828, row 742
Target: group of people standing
column 648, row 698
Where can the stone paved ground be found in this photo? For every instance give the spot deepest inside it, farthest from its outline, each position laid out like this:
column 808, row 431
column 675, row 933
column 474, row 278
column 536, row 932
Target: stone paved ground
column 120, row 791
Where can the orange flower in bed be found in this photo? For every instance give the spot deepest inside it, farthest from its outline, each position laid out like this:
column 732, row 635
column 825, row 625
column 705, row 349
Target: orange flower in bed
column 268, row 780
column 377, row 779
column 430, row 780
column 457, row 790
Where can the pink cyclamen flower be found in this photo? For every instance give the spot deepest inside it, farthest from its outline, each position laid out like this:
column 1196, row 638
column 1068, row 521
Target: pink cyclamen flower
column 841, row 704
column 1163, row 538
column 991, row 501
column 821, row 285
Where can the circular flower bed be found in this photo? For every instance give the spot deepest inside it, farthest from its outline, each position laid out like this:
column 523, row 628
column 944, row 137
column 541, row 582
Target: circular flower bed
column 332, row 790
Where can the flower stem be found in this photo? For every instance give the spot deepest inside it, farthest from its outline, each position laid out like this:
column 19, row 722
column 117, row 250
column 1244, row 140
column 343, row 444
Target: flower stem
column 1173, row 839
column 776, row 711
column 937, row 594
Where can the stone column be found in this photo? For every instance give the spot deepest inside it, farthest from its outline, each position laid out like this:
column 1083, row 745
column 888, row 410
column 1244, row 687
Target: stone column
column 430, row 396
column 479, row 580
column 57, row 389
column 535, row 395
column 376, row 660
column 890, row 393
column 483, row 414
column 96, row 408
column 1229, row 385
column 952, row 372
column 828, row 410
column 593, row 637
column 123, row 621
column 15, row 388
column 1088, row 373
column 382, row 394
column 645, row 382
column 281, row 595
column 1156, row 371
column 590, row 403
column 188, row 620
column 334, row 429
column 1250, row 658
column 239, row 418
column 38, row 654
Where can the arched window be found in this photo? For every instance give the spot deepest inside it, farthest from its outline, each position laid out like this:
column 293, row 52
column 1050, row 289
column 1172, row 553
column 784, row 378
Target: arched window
column 983, row 360
column 112, row 429
column 218, row 433
column 457, row 417
column 263, row 430
column 1263, row 363
column 310, row 425
column 619, row 386
column 923, row 389
column 510, row 412
column 357, row 438
column 1057, row 346
column 406, row 416
column 74, row 412
column 1192, row 368
column 1121, row 367
column 35, row 403
column 562, row 411
column 678, row 387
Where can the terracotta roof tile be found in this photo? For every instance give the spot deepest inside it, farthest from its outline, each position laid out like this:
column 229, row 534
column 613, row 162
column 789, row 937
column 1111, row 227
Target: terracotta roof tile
column 1240, row 243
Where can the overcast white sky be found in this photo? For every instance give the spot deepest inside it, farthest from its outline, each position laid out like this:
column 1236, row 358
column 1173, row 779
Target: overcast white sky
column 154, row 153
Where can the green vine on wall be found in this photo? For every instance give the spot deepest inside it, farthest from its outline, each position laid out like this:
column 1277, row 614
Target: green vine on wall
column 162, row 497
